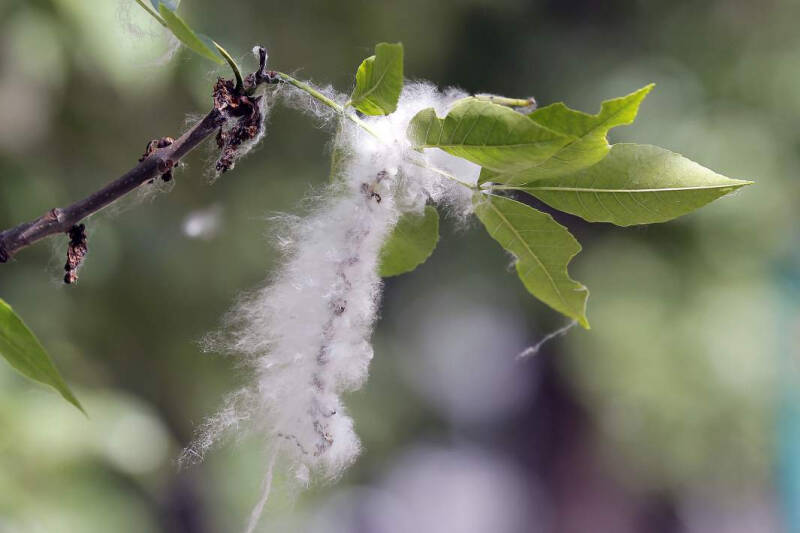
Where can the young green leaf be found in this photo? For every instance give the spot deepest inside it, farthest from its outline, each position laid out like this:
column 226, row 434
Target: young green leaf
column 542, row 247
column 25, row 353
column 187, row 36
column 411, row 242
column 491, row 135
column 635, row 184
column 587, row 133
column 379, row 81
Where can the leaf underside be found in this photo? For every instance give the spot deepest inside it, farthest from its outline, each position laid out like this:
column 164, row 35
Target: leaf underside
column 635, row 184
column 196, row 42
column 25, row 353
column 542, row 247
column 411, row 242
column 379, row 81
column 490, row 135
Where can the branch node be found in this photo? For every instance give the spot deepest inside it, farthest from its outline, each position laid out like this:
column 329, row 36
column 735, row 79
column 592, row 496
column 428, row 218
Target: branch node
column 76, row 251
column 55, row 214
column 164, row 165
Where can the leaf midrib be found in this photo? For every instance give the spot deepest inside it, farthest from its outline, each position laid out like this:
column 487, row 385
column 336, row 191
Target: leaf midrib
column 666, row 189
column 530, row 251
column 376, row 84
column 462, row 145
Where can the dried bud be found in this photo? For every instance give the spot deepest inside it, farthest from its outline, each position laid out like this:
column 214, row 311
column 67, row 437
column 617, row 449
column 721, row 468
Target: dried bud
column 76, row 251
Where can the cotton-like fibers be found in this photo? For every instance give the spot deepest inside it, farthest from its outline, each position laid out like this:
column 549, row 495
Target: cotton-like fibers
column 305, row 336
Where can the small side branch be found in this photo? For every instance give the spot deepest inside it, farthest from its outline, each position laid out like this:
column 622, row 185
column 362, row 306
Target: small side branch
column 61, row 220
column 158, row 161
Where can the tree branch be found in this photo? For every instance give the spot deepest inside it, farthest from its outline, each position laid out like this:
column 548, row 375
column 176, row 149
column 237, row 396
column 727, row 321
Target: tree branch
column 229, row 102
column 60, row 220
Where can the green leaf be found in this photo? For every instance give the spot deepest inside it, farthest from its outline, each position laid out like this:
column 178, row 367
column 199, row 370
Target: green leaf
column 491, row 135
column 587, row 133
column 379, row 81
column 542, row 247
column 635, row 184
column 412, row 241
column 187, row 36
column 24, row 352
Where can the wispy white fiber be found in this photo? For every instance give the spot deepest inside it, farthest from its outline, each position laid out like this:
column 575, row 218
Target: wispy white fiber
column 152, row 30
column 533, row 350
column 264, row 101
column 305, row 336
column 266, row 488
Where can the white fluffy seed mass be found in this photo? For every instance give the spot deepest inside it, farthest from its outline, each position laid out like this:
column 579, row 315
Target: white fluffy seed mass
column 306, row 335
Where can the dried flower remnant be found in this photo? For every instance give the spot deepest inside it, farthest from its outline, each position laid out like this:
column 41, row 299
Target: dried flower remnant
column 76, row 251
column 244, row 127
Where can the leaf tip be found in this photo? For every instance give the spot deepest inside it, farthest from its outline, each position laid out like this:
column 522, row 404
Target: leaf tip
column 638, row 96
column 581, row 315
column 74, row 401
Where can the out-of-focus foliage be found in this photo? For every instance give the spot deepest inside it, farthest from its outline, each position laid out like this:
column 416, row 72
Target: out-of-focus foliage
column 411, row 242
column 20, row 347
column 677, row 376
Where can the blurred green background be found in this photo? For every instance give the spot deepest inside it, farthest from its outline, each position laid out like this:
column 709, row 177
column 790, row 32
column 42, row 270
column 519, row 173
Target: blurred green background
column 677, row 412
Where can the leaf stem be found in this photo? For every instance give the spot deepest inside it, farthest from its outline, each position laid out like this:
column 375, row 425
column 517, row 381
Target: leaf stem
column 328, row 102
column 442, row 173
column 504, row 100
column 363, row 125
column 152, row 13
column 234, row 67
column 494, row 187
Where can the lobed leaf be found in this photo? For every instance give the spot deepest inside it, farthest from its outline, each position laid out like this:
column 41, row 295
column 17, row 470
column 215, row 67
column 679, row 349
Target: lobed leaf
column 587, row 133
column 411, row 242
column 635, row 184
column 379, row 81
column 491, row 135
column 197, row 43
column 542, row 247
column 25, row 353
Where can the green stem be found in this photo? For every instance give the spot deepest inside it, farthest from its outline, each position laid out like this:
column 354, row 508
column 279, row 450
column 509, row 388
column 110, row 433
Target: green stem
column 152, row 13
column 330, row 103
column 363, row 125
column 504, row 100
column 233, row 65
column 442, row 173
column 496, row 187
